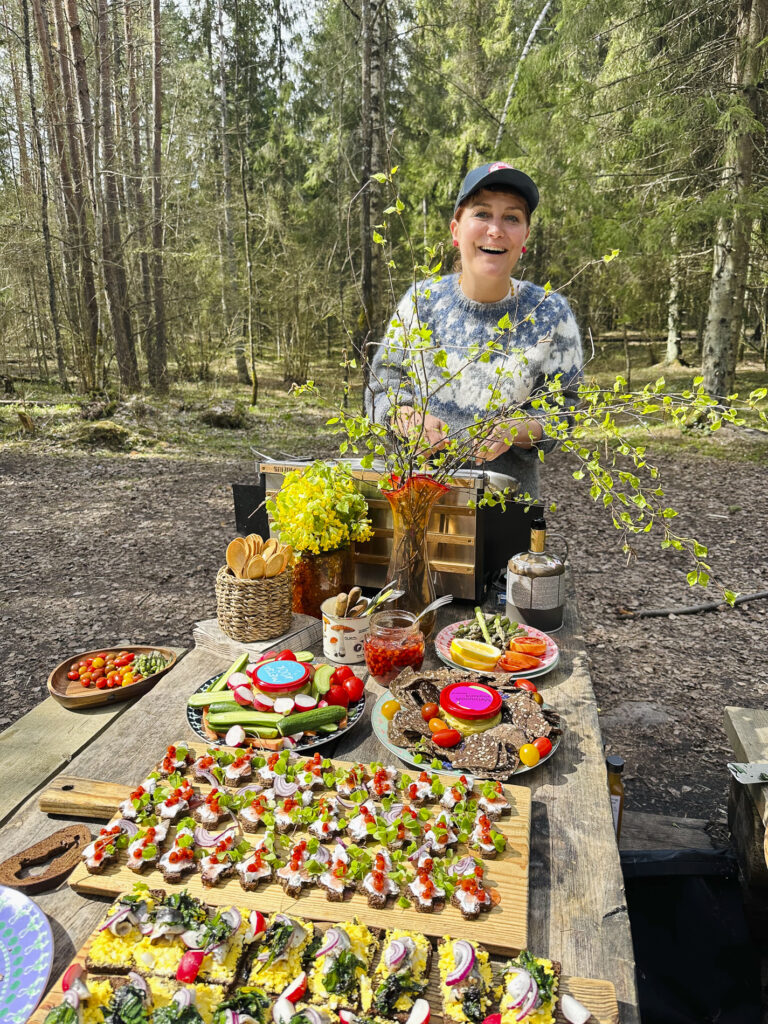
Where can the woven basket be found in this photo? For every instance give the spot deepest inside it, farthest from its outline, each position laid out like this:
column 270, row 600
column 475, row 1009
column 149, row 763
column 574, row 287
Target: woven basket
column 251, row 610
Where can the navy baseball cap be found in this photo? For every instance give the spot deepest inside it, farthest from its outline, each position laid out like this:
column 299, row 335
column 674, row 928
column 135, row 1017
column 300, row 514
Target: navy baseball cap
column 499, row 173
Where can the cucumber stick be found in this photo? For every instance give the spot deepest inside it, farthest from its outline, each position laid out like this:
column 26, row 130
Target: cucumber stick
column 237, row 666
column 311, row 719
column 203, row 700
column 223, row 719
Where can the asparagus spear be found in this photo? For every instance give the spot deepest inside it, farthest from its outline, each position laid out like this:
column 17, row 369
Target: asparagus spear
column 483, row 625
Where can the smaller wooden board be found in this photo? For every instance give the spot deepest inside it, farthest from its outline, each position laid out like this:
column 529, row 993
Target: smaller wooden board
column 72, row 694
column 504, row 928
column 597, row 996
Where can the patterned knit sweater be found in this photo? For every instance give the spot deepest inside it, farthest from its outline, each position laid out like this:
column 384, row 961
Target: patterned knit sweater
column 537, row 349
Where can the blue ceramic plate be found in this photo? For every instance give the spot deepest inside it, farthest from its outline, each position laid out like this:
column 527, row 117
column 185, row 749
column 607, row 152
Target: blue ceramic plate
column 354, row 713
column 26, row 955
column 380, row 728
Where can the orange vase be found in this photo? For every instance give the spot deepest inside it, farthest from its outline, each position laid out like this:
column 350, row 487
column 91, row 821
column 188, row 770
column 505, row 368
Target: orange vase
column 318, row 577
column 411, row 503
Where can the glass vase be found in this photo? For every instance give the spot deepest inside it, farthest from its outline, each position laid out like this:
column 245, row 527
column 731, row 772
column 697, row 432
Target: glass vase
column 318, row 577
column 411, row 505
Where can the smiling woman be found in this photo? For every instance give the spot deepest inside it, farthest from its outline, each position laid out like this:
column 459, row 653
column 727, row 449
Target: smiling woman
column 463, row 313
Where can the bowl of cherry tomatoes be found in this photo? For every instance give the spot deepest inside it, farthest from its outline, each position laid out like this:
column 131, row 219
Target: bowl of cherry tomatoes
column 107, row 675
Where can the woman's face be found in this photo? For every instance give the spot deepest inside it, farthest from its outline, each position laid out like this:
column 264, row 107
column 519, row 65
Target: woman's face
column 491, row 229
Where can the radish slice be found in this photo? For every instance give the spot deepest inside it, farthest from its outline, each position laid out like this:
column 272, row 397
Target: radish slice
column 493, row 1018
column 238, row 679
column 420, row 1013
column 235, row 736
column 263, row 702
column 71, row 975
column 289, row 742
column 464, row 958
column 296, row 989
column 347, row 1017
column 322, row 703
column 282, row 1011
column 189, row 965
column 573, row 1011
column 305, row 701
column 244, row 696
column 283, row 705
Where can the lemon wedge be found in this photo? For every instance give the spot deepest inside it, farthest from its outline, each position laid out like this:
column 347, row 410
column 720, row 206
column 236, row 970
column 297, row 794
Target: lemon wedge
column 474, row 654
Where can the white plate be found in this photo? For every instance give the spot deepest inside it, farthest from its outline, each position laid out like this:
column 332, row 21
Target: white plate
column 549, row 659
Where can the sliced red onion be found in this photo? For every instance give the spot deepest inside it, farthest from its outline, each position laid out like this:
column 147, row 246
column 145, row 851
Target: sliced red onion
column 209, row 777
column 238, row 679
column 528, row 1003
column 138, row 982
column 350, row 805
column 334, row 938
column 233, row 917
column 414, row 857
column 183, row 998
column 191, row 939
column 204, row 838
column 254, row 788
column 235, row 736
column 129, row 827
column 393, row 813
column 464, row 866
column 146, row 927
column 231, row 1017
column 419, row 1013
column 322, row 855
column 71, row 998
column 396, row 952
column 283, row 919
column 518, row 988
column 314, row 1016
column 122, row 913
column 573, row 1011
column 283, row 788
column 464, row 958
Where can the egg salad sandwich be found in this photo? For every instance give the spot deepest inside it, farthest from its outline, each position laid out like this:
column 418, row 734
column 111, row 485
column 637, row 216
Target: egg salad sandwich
column 402, row 974
column 126, row 922
column 529, row 990
column 279, row 953
column 466, row 981
column 340, row 978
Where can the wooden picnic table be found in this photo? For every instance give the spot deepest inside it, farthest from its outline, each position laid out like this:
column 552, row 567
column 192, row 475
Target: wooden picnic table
column 577, row 910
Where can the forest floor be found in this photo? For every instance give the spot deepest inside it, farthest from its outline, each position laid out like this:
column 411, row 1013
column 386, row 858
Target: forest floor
column 106, row 548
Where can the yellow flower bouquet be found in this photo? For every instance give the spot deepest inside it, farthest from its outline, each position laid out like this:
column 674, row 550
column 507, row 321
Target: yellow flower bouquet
column 319, row 509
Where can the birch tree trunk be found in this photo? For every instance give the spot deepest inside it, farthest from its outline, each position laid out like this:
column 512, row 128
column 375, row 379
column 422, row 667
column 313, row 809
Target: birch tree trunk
column 731, row 248
column 365, row 321
column 158, row 361
column 674, row 340
column 112, row 243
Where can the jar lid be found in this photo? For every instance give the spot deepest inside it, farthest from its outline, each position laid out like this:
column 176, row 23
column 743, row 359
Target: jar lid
column 281, row 676
column 470, row 700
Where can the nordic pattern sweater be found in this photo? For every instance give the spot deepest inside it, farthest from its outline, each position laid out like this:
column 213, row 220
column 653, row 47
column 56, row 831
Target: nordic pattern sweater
column 545, row 342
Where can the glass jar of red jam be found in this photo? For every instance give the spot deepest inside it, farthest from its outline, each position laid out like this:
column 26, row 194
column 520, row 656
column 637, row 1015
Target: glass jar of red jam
column 393, row 642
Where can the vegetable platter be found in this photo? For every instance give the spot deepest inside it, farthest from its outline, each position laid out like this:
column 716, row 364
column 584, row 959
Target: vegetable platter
column 77, row 684
column 491, row 643
column 392, row 845
column 231, row 964
column 278, row 700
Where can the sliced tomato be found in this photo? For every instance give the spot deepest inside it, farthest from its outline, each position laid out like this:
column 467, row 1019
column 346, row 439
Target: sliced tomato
column 513, row 661
column 529, row 645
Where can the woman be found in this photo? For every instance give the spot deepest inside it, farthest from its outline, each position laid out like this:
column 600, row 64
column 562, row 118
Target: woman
column 490, row 226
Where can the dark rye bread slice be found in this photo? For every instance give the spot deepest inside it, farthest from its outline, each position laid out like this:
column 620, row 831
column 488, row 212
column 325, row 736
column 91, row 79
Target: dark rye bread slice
column 557, row 967
column 98, row 967
column 63, row 849
column 403, row 1015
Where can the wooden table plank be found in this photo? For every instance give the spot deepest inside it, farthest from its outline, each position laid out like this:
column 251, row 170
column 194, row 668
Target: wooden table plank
column 66, row 732
column 747, row 729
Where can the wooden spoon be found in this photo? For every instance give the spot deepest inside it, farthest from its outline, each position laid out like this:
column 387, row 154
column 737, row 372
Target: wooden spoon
column 237, row 556
column 256, row 568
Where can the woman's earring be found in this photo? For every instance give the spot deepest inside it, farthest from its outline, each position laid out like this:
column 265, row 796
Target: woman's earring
column 523, row 251
column 455, row 243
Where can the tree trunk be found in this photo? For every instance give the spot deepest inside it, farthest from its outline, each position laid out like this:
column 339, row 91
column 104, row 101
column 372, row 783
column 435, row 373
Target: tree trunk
column 52, row 302
column 674, row 339
column 229, row 266
column 731, row 248
column 112, row 242
column 137, row 188
column 158, row 362
column 365, row 319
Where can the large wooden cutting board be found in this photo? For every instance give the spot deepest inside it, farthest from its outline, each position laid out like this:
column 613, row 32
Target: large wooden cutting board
column 597, row 996
column 504, row 929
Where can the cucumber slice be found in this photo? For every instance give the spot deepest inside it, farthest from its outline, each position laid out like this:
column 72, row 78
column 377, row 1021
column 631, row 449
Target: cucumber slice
column 321, row 682
column 237, row 666
column 305, row 656
column 261, row 731
column 223, row 718
column 329, row 728
column 203, row 700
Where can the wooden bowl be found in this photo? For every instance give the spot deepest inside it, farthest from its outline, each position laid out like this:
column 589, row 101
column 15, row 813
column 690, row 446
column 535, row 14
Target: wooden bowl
column 72, row 694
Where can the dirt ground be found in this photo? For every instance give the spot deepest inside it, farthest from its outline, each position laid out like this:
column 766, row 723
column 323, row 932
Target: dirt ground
column 99, row 550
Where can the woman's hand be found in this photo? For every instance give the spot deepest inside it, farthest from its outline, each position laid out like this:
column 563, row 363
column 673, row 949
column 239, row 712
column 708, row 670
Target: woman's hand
column 521, row 434
column 409, row 424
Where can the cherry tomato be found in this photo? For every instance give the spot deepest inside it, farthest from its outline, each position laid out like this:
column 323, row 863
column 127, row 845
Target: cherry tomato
column 124, row 659
column 86, row 683
column 96, row 673
column 341, row 673
column 127, row 678
column 354, row 687
column 98, row 662
column 430, row 711
column 538, row 698
column 528, row 754
column 137, row 678
column 337, row 695
column 543, row 744
column 390, row 708
column 101, row 684
column 85, row 677
column 436, row 725
column 525, row 684
column 447, row 738
column 113, row 677
column 74, row 674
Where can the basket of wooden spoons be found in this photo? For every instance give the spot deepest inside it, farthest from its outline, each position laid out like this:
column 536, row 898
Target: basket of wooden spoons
column 254, row 590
